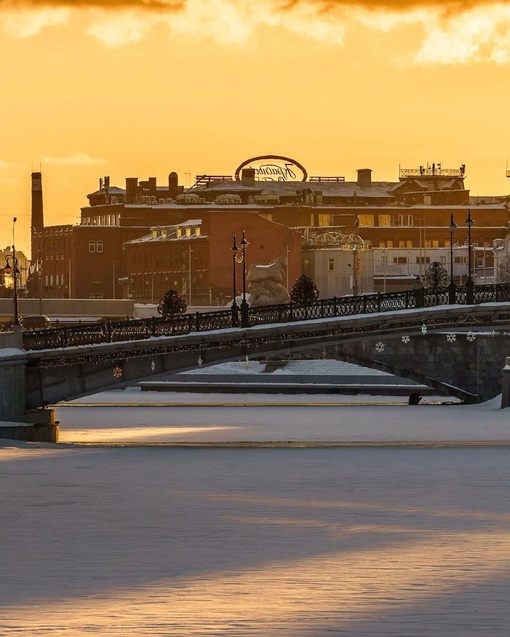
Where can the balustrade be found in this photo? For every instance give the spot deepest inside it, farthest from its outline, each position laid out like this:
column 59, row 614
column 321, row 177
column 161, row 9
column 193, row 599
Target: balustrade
column 142, row 329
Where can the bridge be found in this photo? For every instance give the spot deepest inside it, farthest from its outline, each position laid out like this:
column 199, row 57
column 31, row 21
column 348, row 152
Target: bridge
column 458, row 349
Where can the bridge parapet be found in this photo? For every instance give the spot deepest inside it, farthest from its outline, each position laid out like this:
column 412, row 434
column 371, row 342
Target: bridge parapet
column 136, row 330
column 54, row 375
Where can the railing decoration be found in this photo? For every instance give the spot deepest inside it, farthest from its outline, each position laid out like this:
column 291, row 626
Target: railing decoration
column 142, row 329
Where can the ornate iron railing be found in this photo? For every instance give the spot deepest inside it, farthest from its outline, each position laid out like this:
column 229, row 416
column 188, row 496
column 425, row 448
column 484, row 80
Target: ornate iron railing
column 141, row 329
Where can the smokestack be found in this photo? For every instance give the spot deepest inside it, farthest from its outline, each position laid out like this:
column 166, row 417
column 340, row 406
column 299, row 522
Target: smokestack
column 131, row 189
column 37, row 202
column 173, row 185
column 248, row 177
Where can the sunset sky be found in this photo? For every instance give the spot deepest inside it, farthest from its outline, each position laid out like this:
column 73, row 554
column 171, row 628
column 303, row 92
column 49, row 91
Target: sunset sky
column 143, row 87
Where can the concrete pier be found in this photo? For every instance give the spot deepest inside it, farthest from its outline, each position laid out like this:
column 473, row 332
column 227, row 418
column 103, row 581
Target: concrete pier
column 38, row 425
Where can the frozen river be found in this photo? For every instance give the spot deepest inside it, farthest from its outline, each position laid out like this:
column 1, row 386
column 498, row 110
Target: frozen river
column 162, row 541
column 134, row 541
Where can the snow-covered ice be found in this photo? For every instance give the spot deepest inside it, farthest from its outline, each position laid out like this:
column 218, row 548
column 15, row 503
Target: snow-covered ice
column 269, row 542
column 273, row 542
column 135, row 417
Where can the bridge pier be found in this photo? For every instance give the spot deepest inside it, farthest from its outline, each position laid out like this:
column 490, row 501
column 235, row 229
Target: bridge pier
column 12, row 377
column 505, row 385
column 15, row 423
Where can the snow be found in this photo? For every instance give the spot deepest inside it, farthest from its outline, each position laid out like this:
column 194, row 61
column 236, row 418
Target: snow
column 306, row 367
column 265, row 542
column 152, row 417
column 136, row 540
column 7, row 352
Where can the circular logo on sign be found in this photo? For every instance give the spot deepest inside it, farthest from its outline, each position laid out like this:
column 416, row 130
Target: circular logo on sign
column 274, row 168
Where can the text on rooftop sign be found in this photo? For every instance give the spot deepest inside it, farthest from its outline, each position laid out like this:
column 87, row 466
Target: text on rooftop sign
column 274, row 168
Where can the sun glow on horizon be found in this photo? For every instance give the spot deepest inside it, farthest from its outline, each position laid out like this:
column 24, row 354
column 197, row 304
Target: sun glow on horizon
column 123, row 88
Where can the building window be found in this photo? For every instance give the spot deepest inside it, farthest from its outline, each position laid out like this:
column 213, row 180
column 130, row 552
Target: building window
column 389, row 244
column 409, row 244
column 366, row 220
column 400, row 260
column 435, row 243
column 384, row 260
column 422, row 260
column 384, row 220
column 443, row 260
column 404, row 220
column 401, row 244
column 96, row 246
column 331, row 265
column 325, row 220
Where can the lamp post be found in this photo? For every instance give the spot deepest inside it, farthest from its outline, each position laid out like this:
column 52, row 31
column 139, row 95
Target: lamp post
column 11, row 267
column 451, row 287
column 235, row 259
column 244, row 304
column 469, row 282
column 39, row 266
column 113, row 279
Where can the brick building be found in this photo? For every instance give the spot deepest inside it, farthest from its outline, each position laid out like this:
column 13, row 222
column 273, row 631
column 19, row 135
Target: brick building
column 404, row 218
column 196, row 259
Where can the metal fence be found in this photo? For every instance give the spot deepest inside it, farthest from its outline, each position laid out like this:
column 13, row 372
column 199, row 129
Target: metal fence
column 140, row 329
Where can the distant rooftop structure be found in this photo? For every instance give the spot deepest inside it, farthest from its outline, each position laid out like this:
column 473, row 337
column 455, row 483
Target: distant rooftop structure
column 432, row 170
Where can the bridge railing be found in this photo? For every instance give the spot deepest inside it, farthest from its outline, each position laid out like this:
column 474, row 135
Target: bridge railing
column 140, row 329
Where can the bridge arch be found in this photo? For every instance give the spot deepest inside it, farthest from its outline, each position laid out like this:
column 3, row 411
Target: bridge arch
column 53, row 376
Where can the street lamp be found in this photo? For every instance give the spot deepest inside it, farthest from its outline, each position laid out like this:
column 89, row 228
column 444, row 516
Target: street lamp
column 244, row 304
column 451, row 287
column 469, row 283
column 354, row 244
column 236, row 258
column 39, row 265
column 11, row 267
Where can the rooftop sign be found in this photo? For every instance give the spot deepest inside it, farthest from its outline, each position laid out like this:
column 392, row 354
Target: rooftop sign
column 433, row 170
column 274, row 168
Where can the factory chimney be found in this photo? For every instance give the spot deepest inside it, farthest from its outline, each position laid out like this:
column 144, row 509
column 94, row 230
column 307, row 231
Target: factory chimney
column 37, row 203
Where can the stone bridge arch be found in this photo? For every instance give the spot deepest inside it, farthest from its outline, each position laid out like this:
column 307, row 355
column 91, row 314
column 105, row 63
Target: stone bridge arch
column 468, row 369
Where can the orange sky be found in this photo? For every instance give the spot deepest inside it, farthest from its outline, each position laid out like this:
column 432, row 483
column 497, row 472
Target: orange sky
column 198, row 86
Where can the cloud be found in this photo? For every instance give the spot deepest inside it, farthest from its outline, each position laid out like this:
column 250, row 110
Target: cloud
column 76, row 158
column 145, row 5
column 453, row 31
column 121, row 29
column 165, row 5
column 475, row 35
column 30, row 23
